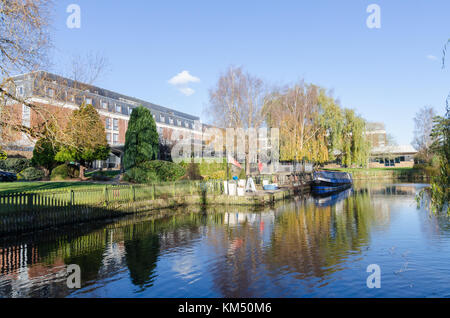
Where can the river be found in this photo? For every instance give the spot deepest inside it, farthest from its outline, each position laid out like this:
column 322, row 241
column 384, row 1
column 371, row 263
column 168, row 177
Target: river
column 307, row 247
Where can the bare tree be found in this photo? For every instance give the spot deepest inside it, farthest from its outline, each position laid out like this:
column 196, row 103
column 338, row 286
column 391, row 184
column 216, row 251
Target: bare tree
column 423, row 122
column 24, row 36
column 89, row 68
column 24, row 43
column 238, row 101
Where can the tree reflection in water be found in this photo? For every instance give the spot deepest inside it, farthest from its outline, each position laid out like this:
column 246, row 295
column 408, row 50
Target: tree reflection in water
column 236, row 252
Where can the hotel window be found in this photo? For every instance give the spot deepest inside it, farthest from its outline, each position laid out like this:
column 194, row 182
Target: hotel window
column 88, row 101
column 104, row 105
column 171, row 120
column 108, row 123
column 118, row 108
column 115, row 124
column 178, row 122
column 115, row 138
column 108, row 138
column 186, row 124
column 26, row 117
column 50, row 92
column 19, row 91
column 161, row 118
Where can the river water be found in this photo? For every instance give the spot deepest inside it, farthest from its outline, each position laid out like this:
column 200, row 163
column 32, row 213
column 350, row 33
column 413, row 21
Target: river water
column 308, row 247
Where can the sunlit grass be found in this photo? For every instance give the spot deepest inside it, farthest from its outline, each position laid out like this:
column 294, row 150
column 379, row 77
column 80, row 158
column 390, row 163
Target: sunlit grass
column 12, row 187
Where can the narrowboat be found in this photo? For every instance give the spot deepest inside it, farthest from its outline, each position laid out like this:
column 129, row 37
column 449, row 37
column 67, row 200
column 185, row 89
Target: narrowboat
column 323, row 200
column 325, row 182
column 270, row 187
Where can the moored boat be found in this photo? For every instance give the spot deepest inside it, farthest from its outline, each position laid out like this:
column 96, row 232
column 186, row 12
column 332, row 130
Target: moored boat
column 331, row 181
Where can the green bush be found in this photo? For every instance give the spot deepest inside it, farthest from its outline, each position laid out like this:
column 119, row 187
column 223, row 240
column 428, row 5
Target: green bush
column 209, row 169
column 15, row 165
column 192, row 172
column 30, row 174
column 64, row 172
column 153, row 171
column 140, row 175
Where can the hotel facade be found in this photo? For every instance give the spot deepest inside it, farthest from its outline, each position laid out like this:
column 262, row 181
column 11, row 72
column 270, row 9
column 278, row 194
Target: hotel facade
column 60, row 96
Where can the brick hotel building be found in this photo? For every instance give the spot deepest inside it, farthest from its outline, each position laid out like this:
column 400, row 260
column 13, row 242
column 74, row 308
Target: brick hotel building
column 60, row 95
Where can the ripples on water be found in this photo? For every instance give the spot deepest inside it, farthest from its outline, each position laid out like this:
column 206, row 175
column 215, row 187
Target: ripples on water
column 309, row 247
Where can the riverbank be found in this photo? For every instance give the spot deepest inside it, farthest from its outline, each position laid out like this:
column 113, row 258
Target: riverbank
column 22, row 212
column 409, row 174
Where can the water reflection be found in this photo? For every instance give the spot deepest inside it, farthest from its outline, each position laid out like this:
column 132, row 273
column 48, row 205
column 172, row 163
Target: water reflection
column 304, row 247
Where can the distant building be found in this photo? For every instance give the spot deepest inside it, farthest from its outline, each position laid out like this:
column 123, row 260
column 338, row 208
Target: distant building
column 392, row 156
column 62, row 95
column 383, row 154
column 376, row 134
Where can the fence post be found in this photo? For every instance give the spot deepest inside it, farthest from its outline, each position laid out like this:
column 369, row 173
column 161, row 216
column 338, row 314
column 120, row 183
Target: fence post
column 153, row 191
column 105, row 195
column 133, row 194
column 72, row 197
column 30, row 201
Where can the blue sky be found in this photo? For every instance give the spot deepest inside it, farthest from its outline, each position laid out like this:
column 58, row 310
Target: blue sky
column 385, row 74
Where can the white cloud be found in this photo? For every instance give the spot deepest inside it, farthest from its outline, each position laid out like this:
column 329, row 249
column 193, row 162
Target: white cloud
column 186, row 91
column 181, row 82
column 432, row 57
column 183, row 78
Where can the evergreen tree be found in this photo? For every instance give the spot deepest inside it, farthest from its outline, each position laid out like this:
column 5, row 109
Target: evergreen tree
column 44, row 153
column 87, row 138
column 141, row 139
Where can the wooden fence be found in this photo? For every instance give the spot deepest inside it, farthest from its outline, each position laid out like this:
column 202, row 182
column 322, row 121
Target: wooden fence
column 34, row 210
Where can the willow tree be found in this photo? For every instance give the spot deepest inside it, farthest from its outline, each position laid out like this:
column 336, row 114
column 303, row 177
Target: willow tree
column 355, row 146
column 295, row 110
column 332, row 121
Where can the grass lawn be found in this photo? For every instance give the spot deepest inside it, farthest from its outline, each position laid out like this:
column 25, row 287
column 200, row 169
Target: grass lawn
column 372, row 169
column 10, row 187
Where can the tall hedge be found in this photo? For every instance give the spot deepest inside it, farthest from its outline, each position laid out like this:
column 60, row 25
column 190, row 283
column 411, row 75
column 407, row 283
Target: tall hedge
column 141, row 139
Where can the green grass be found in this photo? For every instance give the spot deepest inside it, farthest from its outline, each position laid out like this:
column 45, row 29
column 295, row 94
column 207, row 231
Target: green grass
column 403, row 169
column 12, row 187
column 389, row 172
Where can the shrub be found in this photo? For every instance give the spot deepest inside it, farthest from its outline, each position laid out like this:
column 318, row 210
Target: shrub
column 31, row 174
column 153, row 171
column 140, row 175
column 217, row 175
column 192, row 172
column 208, row 169
column 165, row 170
column 64, row 172
column 15, row 165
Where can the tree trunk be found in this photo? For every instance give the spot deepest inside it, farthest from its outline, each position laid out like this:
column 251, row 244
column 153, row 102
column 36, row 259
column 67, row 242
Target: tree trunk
column 82, row 169
column 247, row 164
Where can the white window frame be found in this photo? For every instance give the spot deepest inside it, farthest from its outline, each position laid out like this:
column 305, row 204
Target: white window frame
column 108, row 123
